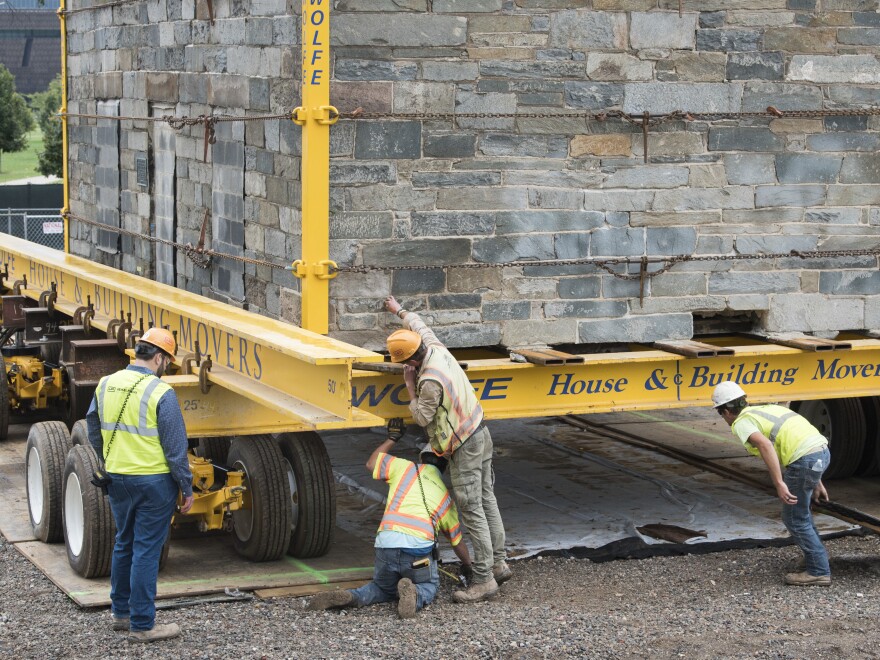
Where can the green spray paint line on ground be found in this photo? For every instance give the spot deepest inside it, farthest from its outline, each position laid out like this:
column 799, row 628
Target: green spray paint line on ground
column 681, row 427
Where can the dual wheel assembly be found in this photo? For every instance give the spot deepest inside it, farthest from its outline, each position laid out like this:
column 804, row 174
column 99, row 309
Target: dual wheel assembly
column 289, row 501
column 852, row 427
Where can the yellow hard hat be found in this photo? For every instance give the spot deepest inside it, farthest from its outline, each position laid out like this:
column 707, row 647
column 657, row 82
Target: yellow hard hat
column 402, row 344
column 161, row 339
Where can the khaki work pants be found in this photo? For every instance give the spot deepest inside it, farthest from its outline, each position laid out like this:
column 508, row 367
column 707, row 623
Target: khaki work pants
column 473, row 480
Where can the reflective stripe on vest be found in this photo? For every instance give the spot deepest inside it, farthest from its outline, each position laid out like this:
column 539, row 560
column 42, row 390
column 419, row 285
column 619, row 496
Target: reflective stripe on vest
column 135, row 448
column 406, row 509
column 792, row 434
column 459, row 414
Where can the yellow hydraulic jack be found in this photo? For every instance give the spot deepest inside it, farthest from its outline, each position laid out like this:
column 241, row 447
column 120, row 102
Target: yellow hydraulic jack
column 213, row 506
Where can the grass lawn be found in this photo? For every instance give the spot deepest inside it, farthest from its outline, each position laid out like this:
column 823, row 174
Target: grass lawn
column 22, row 164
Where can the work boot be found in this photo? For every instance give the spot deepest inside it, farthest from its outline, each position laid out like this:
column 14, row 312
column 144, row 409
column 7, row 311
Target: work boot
column 121, row 623
column 159, row 632
column 804, row 579
column 328, row 599
column 501, row 572
column 408, row 595
column 477, row 592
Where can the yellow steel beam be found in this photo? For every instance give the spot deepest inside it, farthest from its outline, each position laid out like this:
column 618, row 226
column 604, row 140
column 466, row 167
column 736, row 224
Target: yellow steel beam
column 645, row 380
column 64, row 144
column 279, row 362
column 315, row 116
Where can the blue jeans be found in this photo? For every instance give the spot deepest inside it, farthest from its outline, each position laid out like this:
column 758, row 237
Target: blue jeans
column 802, row 476
column 142, row 507
column 392, row 564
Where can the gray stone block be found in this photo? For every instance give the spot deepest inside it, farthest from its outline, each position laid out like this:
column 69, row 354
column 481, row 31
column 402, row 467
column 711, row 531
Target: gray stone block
column 469, row 102
column 587, row 30
column 691, row 97
column 540, row 70
column 807, row 168
column 572, row 245
column 747, row 282
column 506, row 311
column 749, row 169
column 649, row 176
column 369, row 29
column 789, row 196
column 814, row 313
column 654, row 327
column 728, row 40
column 738, row 138
column 555, row 198
column 712, row 19
column 668, row 241
column 361, row 225
column 484, row 334
column 584, row 309
column 859, row 36
column 845, row 123
column 454, row 301
column 521, row 222
column 535, row 247
column 618, row 242
column 701, row 199
column 450, row 71
column 757, row 96
column 616, row 67
column 618, row 200
column 424, row 252
column 422, row 96
column 861, row 69
column 860, row 168
column 455, row 179
column 542, row 332
column 754, row 244
column 382, row 198
column 421, row 281
column 465, row 6
column 452, row 223
column 523, row 145
column 360, row 173
column 844, row 142
column 854, row 195
column 580, row 287
column 679, row 284
column 595, row 96
column 662, row 30
column 826, row 216
column 388, row 139
column 850, row 283
column 748, row 66
column 495, row 198
column 360, row 69
column 458, row 145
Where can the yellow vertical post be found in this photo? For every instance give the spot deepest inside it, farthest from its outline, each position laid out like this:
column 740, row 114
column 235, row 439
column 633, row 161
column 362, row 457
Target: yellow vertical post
column 315, row 115
column 63, row 111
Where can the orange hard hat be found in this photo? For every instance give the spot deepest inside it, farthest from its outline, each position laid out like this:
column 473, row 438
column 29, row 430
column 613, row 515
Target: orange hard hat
column 161, row 339
column 402, row 344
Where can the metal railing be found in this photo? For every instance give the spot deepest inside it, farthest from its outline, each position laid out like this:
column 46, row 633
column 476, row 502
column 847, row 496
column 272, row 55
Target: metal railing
column 43, row 226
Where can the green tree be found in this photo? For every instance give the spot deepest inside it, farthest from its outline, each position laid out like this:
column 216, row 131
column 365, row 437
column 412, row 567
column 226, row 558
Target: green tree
column 15, row 117
column 47, row 104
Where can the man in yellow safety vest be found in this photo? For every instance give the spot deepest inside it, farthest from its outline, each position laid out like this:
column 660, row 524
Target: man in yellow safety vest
column 136, row 427
column 796, row 455
column 418, row 505
column 442, row 400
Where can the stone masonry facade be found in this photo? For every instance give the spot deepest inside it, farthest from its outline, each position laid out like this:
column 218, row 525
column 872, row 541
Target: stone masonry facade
column 441, row 191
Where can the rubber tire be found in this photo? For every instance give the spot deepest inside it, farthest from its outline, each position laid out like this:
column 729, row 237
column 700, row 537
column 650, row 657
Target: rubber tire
column 98, row 527
column 79, row 433
column 261, row 532
column 215, row 449
column 870, row 463
column 49, row 442
column 842, row 421
column 313, row 493
column 4, row 402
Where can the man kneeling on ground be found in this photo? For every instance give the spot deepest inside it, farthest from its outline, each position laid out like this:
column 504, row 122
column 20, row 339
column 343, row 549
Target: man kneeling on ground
column 418, row 504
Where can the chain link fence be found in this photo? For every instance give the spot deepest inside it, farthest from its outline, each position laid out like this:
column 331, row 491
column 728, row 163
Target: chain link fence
column 43, row 226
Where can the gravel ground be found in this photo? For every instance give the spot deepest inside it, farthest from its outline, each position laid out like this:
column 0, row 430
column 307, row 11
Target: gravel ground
column 722, row 605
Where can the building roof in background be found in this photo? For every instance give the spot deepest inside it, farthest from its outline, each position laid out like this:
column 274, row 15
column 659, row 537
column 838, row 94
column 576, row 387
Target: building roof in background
column 30, row 46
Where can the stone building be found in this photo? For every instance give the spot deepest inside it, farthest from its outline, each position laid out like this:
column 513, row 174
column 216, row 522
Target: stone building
column 445, row 191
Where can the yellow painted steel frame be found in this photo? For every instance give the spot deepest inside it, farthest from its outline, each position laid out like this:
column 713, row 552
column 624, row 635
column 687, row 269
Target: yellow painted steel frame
column 211, row 506
column 270, row 375
column 316, row 115
column 64, row 144
column 27, row 383
column 646, row 380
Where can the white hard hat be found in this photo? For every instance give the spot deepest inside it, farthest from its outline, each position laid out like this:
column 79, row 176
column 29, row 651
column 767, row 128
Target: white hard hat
column 726, row 392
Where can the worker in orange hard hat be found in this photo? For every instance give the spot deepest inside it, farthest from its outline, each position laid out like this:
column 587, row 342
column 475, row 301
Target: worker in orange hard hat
column 442, row 400
column 137, row 430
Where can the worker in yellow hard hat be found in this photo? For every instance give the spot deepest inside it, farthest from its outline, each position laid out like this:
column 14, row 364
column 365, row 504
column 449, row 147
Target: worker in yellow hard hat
column 137, row 430
column 442, row 400
column 796, row 455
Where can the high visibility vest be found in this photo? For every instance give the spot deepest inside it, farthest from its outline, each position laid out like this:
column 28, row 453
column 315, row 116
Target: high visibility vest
column 135, row 448
column 405, row 510
column 791, row 434
column 459, row 413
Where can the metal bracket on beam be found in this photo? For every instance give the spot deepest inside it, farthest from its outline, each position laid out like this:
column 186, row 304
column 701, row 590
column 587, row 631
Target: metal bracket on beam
column 693, row 349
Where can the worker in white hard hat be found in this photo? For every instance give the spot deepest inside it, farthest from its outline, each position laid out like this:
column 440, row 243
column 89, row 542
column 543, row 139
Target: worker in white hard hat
column 136, row 428
column 796, row 455
column 442, row 400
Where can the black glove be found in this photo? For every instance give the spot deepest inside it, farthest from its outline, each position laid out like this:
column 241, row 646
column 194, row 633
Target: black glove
column 396, row 429
column 467, row 575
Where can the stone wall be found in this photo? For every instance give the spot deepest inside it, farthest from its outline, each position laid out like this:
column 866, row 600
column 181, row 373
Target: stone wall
column 440, row 192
